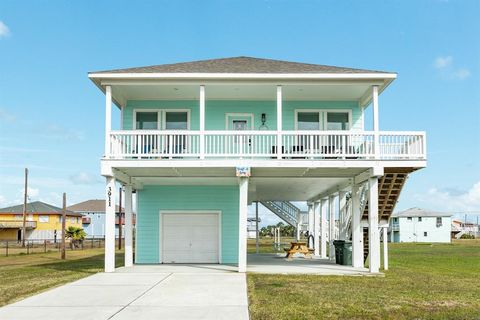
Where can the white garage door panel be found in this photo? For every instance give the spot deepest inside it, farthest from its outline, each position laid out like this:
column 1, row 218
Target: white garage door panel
column 190, row 238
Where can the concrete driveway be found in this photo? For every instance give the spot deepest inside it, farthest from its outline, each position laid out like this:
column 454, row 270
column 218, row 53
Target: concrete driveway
column 140, row 293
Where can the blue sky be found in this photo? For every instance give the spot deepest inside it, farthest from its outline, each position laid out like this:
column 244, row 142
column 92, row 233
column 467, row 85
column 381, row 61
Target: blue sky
column 51, row 115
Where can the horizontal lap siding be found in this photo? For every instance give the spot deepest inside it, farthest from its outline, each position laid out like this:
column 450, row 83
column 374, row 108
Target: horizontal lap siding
column 153, row 199
column 216, row 112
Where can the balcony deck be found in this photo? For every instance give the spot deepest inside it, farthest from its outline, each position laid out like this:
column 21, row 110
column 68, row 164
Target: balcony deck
column 298, row 145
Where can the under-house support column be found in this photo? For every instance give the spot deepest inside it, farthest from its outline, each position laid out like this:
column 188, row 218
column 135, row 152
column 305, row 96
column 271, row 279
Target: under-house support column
column 311, row 221
column 357, row 234
column 385, row 248
column 342, row 209
column 316, row 231
column 373, row 232
column 323, row 227
column 242, row 224
column 128, row 227
column 110, row 225
column 256, row 228
column 331, row 227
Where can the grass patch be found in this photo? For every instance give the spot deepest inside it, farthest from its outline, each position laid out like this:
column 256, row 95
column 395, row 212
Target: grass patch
column 25, row 275
column 425, row 281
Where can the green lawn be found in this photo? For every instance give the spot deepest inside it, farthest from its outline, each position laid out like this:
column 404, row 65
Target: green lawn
column 25, row 275
column 425, row 281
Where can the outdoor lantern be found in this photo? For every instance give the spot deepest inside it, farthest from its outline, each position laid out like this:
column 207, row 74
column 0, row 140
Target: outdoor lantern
column 263, row 125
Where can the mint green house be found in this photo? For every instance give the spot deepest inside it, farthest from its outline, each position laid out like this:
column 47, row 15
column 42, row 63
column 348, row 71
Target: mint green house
column 200, row 141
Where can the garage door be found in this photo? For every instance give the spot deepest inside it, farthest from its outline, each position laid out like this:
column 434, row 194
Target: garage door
column 190, row 237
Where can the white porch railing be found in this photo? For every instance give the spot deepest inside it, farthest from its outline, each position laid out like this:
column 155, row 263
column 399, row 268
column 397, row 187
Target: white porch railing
column 349, row 145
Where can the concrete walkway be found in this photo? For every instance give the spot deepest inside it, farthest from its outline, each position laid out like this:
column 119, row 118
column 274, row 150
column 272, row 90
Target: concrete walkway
column 140, row 294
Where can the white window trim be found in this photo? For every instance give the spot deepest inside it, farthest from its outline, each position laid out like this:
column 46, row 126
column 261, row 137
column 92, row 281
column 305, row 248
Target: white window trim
column 161, row 117
column 238, row 114
column 43, row 215
column 323, row 115
column 164, row 116
column 160, row 227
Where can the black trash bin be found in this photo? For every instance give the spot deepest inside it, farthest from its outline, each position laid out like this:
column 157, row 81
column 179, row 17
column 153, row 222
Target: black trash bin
column 347, row 253
column 338, row 251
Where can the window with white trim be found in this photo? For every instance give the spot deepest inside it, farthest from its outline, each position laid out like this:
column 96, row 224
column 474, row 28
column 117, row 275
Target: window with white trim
column 146, row 120
column 43, row 219
column 321, row 119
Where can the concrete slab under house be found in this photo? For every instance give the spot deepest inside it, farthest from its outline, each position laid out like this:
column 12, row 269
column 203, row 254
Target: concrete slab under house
column 200, row 141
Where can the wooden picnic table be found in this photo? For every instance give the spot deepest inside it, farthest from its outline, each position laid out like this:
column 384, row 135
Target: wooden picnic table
column 298, row 247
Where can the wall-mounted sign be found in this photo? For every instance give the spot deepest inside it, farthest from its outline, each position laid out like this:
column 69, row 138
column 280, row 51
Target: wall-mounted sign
column 109, row 194
column 243, row 172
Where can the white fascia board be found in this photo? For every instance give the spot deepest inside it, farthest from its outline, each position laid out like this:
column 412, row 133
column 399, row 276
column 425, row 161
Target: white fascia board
column 108, row 164
column 242, row 75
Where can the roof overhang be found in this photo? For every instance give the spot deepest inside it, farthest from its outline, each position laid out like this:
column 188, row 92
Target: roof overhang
column 124, row 84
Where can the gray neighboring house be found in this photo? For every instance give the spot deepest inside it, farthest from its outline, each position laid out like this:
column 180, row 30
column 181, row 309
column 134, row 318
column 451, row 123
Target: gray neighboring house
column 420, row 225
column 93, row 217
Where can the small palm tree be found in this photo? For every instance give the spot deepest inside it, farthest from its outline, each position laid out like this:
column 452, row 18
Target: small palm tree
column 76, row 236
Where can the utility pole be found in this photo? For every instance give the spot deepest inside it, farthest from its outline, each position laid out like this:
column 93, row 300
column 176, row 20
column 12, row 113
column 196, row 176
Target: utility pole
column 64, row 218
column 120, row 218
column 24, row 225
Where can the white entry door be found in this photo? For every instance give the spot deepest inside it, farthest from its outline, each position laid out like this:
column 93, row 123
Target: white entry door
column 190, row 237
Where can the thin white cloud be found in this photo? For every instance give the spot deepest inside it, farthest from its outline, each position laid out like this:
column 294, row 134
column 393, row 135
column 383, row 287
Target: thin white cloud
column 462, row 73
column 84, row 178
column 451, row 199
column 443, row 62
column 58, row 132
column 448, row 70
column 4, row 30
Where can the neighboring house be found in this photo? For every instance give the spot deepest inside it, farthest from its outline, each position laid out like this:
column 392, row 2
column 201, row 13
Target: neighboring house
column 199, row 141
column 420, row 225
column 43, row 222
column 460, row 228
column 93, row 217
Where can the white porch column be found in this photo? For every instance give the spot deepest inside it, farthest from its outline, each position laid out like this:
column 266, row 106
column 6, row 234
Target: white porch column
column 202, row 122
column 242, row 224
column 316, row 227
column 342, row 209
column 256, row 228
column 128, row 227
column 279, row 122
column 108, row 118
column 357, row 234
column 373, row 232
column 110, row 225
column 376, row 127
column 297, row 231
column 311, row 221
column 385, row 248
column 331, row 228
column 323, row 228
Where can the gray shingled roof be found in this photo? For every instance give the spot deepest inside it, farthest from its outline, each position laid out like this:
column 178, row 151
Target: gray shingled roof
column 240, row 65
column 36, row 207
column 94, row 205
column 418, row 212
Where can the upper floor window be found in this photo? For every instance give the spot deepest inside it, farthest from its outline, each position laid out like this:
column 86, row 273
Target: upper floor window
column 322, row 119
column 439, row 221
column 419, row 219
column 18, row 216
column 43, row 218
column 176, row 120
column 337, row 121
column 145, row 120
column 409, row 218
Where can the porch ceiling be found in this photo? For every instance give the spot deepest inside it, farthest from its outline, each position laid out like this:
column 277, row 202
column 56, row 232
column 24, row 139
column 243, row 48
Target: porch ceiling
column 330, row 91
column 295, row 184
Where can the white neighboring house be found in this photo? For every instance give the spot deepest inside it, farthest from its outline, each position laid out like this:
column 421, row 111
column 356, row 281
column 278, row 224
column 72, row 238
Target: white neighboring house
column 420, row 225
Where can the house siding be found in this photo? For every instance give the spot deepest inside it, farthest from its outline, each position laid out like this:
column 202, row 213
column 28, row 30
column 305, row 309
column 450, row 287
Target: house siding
column 216, row 111
column 153, row 199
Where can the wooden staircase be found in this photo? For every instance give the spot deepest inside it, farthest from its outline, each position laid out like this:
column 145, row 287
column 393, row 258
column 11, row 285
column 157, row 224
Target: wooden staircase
column 390, row 186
